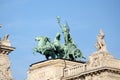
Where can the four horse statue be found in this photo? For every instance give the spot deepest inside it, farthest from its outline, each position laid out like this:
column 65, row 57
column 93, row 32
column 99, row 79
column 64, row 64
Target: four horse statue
column 55, row 49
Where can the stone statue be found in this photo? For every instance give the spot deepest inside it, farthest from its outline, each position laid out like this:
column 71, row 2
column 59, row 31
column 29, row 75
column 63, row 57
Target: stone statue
column 5, row 41
column 55, row 49
column 6, row 37
column 101, row 45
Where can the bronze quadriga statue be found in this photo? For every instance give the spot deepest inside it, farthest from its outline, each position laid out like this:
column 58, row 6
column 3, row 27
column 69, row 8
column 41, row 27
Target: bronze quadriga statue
column 55, row 49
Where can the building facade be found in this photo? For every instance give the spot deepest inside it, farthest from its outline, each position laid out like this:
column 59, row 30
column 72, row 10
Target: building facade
column 100, row 66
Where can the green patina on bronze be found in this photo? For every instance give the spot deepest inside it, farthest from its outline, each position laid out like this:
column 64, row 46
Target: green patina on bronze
column 55, row 49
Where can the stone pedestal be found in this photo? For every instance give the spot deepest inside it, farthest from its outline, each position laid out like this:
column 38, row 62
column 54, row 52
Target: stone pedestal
column 50, row 70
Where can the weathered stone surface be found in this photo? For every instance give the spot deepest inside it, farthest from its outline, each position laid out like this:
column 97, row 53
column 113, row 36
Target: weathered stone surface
column 5, row 49
column 5, row 73
column 50, row 70
column 100, row 66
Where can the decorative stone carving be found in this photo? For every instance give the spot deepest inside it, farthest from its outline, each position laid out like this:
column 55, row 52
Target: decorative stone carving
column 96, row 62
column 5, row 49
column 5, row 41
column 101, row 45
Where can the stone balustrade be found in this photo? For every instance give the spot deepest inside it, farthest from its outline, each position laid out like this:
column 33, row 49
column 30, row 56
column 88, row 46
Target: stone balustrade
column 78, row 69
column 74, row 70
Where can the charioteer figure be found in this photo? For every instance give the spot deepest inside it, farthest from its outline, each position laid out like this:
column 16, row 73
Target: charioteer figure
column 65, row 30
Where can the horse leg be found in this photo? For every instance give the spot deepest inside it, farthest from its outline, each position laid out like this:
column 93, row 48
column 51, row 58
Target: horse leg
column 52, row 55
column 47, row 56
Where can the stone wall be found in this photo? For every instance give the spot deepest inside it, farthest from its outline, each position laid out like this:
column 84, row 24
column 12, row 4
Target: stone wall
column 50, row 70
column 100, row 66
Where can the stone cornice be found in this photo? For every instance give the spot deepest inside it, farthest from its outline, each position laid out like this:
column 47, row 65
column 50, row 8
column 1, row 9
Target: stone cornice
column 54, row 62
column 6, row 49
column 94, row 71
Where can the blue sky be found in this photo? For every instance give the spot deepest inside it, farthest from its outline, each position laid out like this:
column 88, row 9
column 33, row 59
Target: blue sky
column 26, row 19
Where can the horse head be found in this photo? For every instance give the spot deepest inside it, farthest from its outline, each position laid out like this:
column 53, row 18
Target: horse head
column 47, row 39
column 39, row 38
